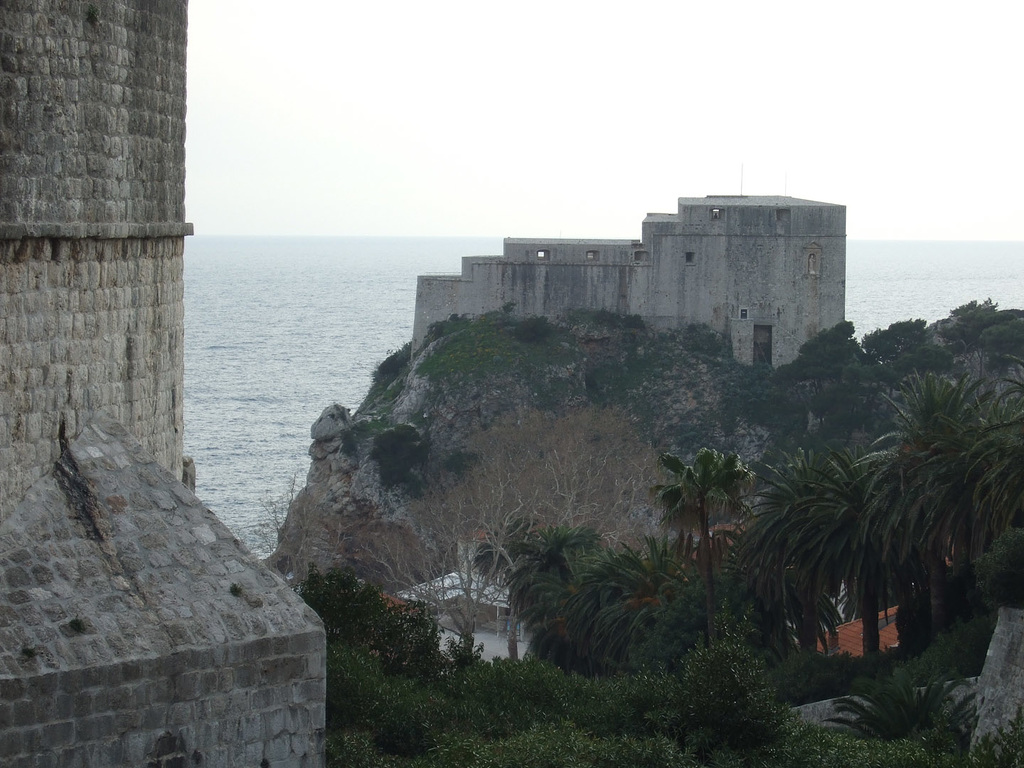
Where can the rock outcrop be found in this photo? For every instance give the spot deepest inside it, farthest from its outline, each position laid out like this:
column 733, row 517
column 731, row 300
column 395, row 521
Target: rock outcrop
column 678, row 389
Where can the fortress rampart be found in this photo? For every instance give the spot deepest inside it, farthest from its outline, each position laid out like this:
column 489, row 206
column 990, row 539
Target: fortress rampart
column 92, row 227
column 767, row 272
column 134, row 628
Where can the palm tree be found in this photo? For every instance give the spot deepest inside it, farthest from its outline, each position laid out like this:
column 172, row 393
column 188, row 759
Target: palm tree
column 778, row 567
column 698, row 496
column 616, row 594
column 930, row 479
column 898, row 709
column 840, row 533
column 540, row 581
column 1000, row 455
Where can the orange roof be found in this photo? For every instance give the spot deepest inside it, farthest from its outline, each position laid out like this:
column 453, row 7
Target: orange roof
column 849, row 637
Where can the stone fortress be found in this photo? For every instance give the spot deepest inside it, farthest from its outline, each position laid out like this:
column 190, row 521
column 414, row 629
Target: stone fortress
column 767, row 272
column 134, row 628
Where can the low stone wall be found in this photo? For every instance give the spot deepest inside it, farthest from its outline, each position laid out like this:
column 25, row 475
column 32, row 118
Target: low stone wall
column 234, row 704
column 88, row 325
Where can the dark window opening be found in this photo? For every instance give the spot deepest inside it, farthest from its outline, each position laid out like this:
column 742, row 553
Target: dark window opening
column 543, row 254
column 690, row 256
column 639, row 255
column 743, row 314
column 716, row 213
column 782, row 214
column 591, row 255
column 762, row 345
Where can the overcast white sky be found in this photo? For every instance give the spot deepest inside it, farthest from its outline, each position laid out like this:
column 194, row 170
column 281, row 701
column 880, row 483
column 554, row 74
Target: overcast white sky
column 574, row 119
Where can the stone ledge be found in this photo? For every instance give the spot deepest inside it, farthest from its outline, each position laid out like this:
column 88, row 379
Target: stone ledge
column 100, row 231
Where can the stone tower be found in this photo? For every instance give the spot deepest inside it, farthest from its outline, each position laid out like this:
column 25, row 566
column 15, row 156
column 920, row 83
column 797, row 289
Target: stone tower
column 92, row 227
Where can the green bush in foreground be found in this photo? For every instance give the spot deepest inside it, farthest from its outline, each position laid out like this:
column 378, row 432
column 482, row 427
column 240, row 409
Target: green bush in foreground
column 1000, row 571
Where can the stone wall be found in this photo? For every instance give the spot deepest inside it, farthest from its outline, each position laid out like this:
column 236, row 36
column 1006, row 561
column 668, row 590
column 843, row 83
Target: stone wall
column 92, row 117
column 88, row 325
column 135, row 629
column 766, row 272
column 1001, row 685
column 92, row 221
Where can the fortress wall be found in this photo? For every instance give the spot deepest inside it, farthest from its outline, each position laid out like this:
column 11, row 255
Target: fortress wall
column 767, row 272
column 88, row 325
column 92, row 117
column 92, row 190
column 436, row 300
column 571, row 251
column 236, row 703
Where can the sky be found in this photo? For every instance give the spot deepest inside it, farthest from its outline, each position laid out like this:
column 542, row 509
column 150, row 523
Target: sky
column 576, row 119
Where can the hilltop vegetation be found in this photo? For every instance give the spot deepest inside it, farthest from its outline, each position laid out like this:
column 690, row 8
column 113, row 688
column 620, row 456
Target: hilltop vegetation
column 522, row 454
column 676, row 391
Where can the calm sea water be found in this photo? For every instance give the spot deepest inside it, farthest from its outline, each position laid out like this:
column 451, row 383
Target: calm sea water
column 277, row 329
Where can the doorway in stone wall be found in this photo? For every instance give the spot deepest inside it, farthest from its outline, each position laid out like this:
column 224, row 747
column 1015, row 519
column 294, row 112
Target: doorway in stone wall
column 762, row 345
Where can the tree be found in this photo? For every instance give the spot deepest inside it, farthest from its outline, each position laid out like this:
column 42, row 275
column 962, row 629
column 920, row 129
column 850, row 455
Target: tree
column 711, row 491
column 585, row 469
column 616, row 595
column 839, row 532
column 929, row 480
column 971, row 331
column 772, row 555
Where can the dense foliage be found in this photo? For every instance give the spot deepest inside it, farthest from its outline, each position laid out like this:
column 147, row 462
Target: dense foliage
column 1001, row 571
column 677, row 649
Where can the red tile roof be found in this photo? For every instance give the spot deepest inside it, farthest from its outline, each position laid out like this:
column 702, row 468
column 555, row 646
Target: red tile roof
column 849, row 637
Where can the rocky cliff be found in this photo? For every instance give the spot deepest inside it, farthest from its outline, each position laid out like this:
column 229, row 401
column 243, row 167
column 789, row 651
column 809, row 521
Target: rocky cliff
column 679, row 390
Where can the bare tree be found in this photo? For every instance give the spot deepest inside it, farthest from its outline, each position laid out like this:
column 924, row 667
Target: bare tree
column 273, row 512
column 530, row 470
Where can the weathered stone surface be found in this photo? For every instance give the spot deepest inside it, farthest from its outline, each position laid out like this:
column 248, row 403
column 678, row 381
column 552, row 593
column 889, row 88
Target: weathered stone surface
column 767, row 272
column 332, row 423
column 1001, row 685
column 129, row 649
column 92, row 131
column 92, row 220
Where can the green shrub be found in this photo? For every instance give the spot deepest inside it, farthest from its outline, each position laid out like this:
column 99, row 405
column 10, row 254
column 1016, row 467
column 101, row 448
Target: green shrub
column 727, row 700
column 1000, row 571
column 806, row 677
column 960, row 651
column 402, row 637
column 556, row 745
column 459, row 462
column 532, row 329
column 399, row 453
column 503, row 697
column 1004, row 749
column 392, row 365
column 443, row 328
column 356, row 749
column 898, row 709
column 638, row 705
column 802, row 745
column 702, row 339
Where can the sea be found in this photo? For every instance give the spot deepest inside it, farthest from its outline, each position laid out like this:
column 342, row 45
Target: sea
column 279, row 328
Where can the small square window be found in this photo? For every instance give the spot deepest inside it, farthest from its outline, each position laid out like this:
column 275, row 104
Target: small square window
column 716, row 213
column 543, row 254
column 639, row 255
column 592, row 255
column 743, row 314
column 690, row 257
